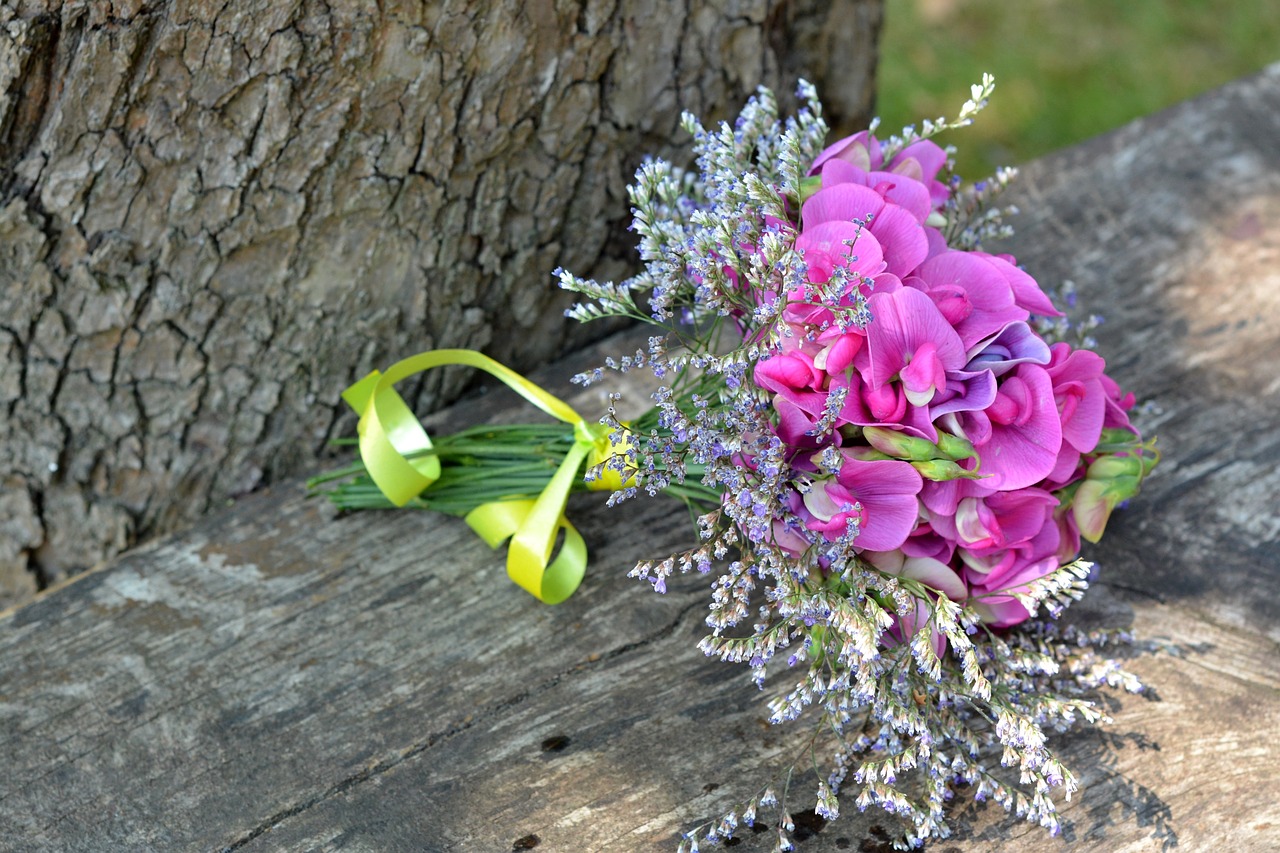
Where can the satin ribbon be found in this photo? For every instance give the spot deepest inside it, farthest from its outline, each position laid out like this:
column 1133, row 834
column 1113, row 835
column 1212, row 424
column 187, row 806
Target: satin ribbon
column 390, row 434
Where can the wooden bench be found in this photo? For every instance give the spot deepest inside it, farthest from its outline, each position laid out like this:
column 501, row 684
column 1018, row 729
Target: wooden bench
column 279, row 679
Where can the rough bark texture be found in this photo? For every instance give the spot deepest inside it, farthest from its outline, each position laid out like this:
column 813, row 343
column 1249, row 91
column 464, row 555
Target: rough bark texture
column 213, row 216
column 276, row 680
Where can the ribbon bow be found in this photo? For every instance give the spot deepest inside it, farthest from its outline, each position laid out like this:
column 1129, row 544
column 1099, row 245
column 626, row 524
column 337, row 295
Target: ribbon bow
column 390, row 434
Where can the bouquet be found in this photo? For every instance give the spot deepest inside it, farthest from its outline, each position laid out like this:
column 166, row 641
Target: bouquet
column 895, row 442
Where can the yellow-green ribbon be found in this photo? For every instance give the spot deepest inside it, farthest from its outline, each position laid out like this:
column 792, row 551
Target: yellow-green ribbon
column 396, row 452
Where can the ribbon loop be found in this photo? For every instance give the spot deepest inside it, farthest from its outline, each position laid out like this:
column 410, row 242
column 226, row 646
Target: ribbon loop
column 400, row 459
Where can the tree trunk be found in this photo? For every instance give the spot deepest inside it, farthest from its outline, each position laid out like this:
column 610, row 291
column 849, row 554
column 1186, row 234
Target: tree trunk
column 213, row 216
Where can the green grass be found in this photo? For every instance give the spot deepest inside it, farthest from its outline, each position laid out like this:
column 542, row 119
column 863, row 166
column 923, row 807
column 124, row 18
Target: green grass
column 1065, row 70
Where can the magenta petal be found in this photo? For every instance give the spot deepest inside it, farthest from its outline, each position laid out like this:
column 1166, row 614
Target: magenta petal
column 1066, row 468
column 1022, row 514
column 841, row 353
column 1025, row 431
column 883, row 283
column 836, row 172
column 887, row 491
column 787, row 372
column 904, row 192
column 904, row 241
column 944, row 498
column 794, row 424
column 841, row 244
column 989, row 298
column 841, row 203
column 924, row 376
column 861, row 150
column 937, row 243
column 1082, row 414
column 902, row 322
column 930, row 156
column 1026, row 291
column 924, row 541
column 1081, row 395
column 1019, row 575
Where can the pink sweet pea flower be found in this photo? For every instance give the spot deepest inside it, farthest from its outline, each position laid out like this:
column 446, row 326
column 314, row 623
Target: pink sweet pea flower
column 943, row 498
column 971, row 292
column 1118, row 405
column 881, row 495
column 910, row 339
column 883, row 406
column 800, row 397
column 919, row 163
column 1002, row 521
column 1082, row 405
column 911, row 195
column 791, row 373
column 861, row 150
column 1011, row 570
column 1080, row 395
column 1019, row 435
column 922, row 161
column 840, row 244
column 924, row 541
column 902, row 238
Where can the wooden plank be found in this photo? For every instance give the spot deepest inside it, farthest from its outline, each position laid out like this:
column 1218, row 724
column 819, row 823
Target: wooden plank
column 277, row 679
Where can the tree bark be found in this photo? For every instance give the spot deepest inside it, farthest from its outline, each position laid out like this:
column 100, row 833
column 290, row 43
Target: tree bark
column 215, row 215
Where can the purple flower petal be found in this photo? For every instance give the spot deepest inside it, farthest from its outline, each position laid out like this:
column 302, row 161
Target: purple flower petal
column 1015, row 344
column 966, row 391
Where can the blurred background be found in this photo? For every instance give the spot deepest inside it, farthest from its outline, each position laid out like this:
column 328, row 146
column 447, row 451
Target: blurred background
column 1065, row 70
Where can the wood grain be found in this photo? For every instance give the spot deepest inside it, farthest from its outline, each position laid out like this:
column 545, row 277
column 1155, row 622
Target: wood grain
column 278, row 679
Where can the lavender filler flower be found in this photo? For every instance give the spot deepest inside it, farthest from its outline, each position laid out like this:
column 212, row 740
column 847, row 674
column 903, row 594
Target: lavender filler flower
column 906, row 450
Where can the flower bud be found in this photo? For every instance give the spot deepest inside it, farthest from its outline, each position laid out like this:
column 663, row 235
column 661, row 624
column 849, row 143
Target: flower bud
column 954, row 447
column 900, row 445
column 1111, row 467
column 1095, row 499
column 865, row 454
column 939, row 470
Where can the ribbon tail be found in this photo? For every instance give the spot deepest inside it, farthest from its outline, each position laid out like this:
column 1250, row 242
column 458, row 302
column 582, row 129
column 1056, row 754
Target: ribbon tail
column 551, row 584
column 390, row 434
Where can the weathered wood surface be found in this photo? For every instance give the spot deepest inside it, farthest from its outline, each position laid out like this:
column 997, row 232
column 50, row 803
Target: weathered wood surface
column 278, row 680
column 214, row 214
